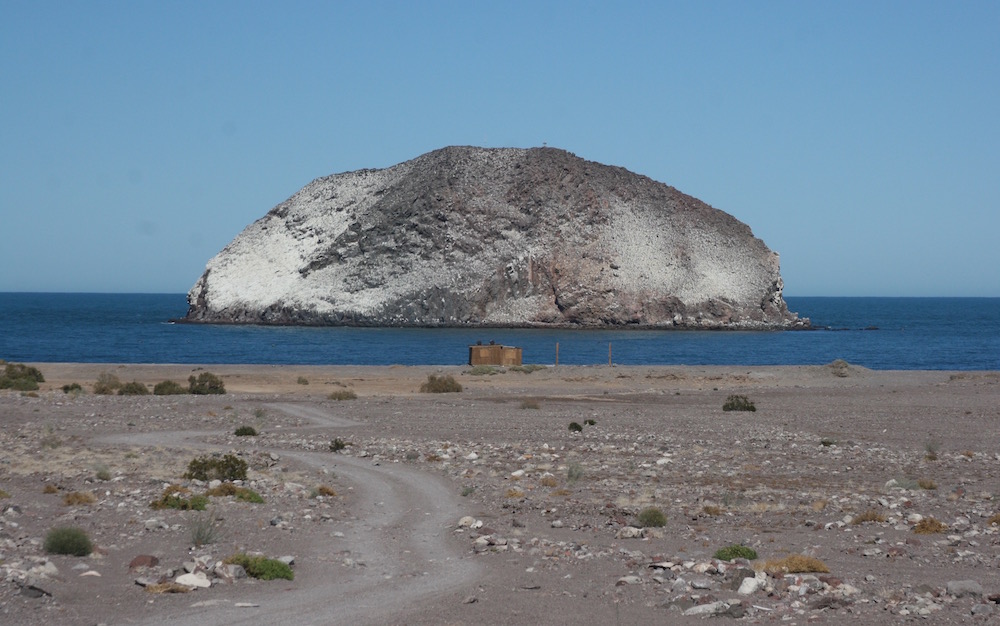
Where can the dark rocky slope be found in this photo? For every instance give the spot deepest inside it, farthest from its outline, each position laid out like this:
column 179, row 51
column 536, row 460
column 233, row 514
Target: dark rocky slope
column 467, row 236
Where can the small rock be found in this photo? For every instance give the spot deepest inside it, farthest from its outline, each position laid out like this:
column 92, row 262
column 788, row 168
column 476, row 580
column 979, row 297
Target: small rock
column 91, row 573
column 962, row 588
column 470, row 599
column 558, row 523
column 628, row 580
column 629, row 532
column 287, row 560
column 197, row 579
column 982, row 609
column 713, row 608
column 143, row 560
column 749, row 586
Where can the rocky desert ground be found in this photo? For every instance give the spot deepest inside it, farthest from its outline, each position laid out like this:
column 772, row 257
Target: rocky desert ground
column 486, row 507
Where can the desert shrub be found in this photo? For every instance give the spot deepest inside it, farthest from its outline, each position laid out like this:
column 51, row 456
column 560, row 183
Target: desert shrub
column 262, row 567
column 590, row 422
column 322, row 490
column 574, row 427
column 735, row 552
column 513, row 492
column 206, row 383
column 548, row 481
column 4, row 495
column 871, row 515
column 302, row 380
column 483, row 370
column 68, row 540
column 711, row 509
column 240, row 493
column 530, row 404
column 738, row 403
column 134, row 388
column 228, row 467
column 20, row 377
column 176, row 501
column 994, row 520
column 574, row 472
column 343, row 394
column 526, row 369
column 338, row 444
column 467, row 491
column 440, row 384
column 795, row 564
column 50, row 489
column 926, row 483
column 169, row 388
column 72, row 387
column 826, row 442
column 101, row 472
column 77, row 498
column 651, row 517
column 929, row 526
column 840, row 368
column 205, row 529
column 931, row 449
column 246, row 431
column 107, row 384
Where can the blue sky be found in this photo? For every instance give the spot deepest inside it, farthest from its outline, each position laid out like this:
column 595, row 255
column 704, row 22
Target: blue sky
column 860, row 140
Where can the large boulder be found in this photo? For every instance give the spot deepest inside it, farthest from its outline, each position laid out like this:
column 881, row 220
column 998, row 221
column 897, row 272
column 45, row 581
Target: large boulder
column 467, row 236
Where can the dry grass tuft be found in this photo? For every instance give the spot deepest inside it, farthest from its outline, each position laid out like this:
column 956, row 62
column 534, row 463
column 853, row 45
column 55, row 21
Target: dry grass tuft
column 548, row 481
column 927, row 483
column 794, row 564
column 50, row 489
column 343, row 394
column 871, row 515
column 819, row 505
column 168, row 588
column 325, row 490
column 513, row 492
column 562, row 492
column 929, row 526
column 711, row 509
column 77, row 498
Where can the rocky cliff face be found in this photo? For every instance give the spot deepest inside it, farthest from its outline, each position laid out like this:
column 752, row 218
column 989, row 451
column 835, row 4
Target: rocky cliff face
column 468, row 236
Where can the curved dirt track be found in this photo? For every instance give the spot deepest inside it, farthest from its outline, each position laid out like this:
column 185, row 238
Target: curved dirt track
column 400, row 542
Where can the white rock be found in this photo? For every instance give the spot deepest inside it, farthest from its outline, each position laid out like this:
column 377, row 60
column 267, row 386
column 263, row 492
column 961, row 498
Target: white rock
column 712, row 608
column 629, row 532
column 197, row 579
column 749, row 586
column 472, row 456
column 466, row 521
column 629, row 580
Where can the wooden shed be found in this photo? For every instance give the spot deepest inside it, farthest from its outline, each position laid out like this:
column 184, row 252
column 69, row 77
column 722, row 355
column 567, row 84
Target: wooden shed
column 494, row 354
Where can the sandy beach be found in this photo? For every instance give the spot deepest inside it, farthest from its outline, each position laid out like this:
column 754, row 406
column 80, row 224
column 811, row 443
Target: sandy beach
column 486, row 507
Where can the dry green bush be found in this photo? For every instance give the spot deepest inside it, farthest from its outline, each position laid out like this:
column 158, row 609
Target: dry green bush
column 20, row 377
column 794, row 564
column 343, row 394
column 929, row 526
column 206, row 383
column 927, row 483
column 738, row 403
column 69, row 541
column 735, row 552
column 227, row 467
column 169, row 388
column 440, row 384
column 651, row 517
column 261, row 567
column 871, row 515
column 107, row 384
column 134, row 388
column 78, row 498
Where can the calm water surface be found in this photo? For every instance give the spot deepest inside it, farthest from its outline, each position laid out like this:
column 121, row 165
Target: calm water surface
column 880, row 333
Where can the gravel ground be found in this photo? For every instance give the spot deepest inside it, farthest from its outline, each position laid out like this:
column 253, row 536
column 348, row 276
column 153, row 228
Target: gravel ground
column 485, row 507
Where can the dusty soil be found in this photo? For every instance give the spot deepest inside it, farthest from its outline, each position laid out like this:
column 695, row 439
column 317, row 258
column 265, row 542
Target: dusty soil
column 548, row 512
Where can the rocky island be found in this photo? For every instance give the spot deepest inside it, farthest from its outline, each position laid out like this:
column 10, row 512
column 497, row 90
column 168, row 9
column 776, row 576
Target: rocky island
column 467, row 236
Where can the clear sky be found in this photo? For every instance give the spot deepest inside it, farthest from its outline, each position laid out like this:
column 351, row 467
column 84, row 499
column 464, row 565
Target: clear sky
column 860, row 140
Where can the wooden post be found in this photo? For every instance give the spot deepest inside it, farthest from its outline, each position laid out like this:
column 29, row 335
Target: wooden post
column 557, row 353
column 609, row 354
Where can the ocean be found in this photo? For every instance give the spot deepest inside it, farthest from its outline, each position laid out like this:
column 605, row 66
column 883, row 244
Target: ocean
column 878, row 333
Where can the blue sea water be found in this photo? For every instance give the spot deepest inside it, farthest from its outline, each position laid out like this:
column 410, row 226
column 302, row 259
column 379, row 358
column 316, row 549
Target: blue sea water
column 879, row 333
